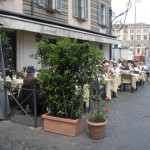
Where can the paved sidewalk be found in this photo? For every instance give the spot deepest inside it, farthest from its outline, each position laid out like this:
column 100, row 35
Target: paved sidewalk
column 128, row 129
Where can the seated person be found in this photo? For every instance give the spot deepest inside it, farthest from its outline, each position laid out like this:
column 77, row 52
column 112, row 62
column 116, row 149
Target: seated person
column 30, row 79
column 102, row 86
column 28, row 83
column 125, row 66
column 136, row 69
column 116, row 69
column 102, row 92
column 131, row 67
column 142, row 66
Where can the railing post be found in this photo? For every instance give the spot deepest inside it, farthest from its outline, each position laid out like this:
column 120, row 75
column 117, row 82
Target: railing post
column 35, row 106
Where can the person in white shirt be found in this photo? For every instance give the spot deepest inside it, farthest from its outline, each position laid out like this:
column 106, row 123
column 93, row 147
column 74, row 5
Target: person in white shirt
column 115, row 69
column 136, row 68
column 142, row 66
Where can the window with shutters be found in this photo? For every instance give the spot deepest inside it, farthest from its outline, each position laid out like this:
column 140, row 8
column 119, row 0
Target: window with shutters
column 51, row 5
column 80, row 8
column 131, row 31
column 145, row 30
column 138, row 37
column 103, row 14
column 145, row 37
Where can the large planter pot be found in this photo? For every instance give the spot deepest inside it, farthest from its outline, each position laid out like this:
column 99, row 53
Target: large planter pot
column 96, row 130
column 63, row 126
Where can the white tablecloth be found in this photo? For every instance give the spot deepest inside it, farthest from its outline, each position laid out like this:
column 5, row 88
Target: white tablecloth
column 17, row 84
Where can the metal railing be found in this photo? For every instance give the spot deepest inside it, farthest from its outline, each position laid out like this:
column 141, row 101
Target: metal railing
column 17, row 106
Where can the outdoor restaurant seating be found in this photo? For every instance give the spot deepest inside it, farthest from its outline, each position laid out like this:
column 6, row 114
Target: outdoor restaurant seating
column 126, row 80
column 112, row 84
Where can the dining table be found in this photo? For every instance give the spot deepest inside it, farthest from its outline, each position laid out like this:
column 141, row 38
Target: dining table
column 111, row 84
column 107, row 83
column 136, row 78
column 16, row 84
column 143, row 75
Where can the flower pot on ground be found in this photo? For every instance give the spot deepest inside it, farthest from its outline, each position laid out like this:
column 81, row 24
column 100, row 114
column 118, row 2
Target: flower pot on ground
column 98, row 118
column 67, row 65
column 69, row 127
column 97, row 122
column 96, row 130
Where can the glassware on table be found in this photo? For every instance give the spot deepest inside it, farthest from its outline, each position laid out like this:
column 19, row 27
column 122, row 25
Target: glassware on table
column 24, row 68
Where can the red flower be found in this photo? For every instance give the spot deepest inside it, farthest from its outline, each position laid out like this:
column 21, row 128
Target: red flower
column 106, row 109
column 107, row 99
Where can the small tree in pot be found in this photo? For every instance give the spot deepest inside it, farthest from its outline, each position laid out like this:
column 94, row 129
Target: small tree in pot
column 68, row 66
column 98, row 117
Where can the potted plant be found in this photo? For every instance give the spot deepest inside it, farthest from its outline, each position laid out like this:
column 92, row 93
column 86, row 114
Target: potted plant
column 98, row 118
column 67, row 66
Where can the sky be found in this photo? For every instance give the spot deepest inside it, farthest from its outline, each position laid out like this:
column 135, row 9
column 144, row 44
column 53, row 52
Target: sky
column 142, row 11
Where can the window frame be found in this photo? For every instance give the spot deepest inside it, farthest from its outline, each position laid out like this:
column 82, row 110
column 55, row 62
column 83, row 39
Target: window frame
column 138, row 37
column 103, row 14
column 82, row 13
column 145, row 37
column 55, row 5
column 41, row 3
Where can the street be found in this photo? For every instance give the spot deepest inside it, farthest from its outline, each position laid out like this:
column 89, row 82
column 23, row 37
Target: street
column 128, row 128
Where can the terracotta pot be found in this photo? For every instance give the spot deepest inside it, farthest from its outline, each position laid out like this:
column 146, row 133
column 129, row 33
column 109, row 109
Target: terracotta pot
column 64, row 126
column 96, row 130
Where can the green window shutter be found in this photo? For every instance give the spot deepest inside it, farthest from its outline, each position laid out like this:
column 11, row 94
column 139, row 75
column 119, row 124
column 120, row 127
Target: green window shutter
column 59, row 5
column 86, row 9
column 75, row 8
column 107, row 16
column 99, row 12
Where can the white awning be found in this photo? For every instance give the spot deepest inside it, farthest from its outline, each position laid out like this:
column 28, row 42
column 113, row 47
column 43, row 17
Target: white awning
column 17, row 23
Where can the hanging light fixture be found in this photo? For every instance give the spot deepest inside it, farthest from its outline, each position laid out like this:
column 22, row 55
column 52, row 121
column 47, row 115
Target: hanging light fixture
column 119, row 24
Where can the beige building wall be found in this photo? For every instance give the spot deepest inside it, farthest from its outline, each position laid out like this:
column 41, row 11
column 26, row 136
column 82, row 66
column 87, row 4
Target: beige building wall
column 73, row 21
column 12, row 5
column 126, row 34
column 26, row 47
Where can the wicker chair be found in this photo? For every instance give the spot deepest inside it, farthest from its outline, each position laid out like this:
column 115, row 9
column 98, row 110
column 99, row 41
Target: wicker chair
column 127, row 80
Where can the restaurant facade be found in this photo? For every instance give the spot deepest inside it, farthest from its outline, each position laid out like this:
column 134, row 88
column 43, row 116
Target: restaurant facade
column 27, row 21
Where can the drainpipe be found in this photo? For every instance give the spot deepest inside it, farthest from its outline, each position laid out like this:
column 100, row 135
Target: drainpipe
column 32, row 8
column 110, row 32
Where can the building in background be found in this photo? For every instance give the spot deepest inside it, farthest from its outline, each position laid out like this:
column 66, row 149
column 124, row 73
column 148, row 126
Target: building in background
column 135, row 40
column 27, row 21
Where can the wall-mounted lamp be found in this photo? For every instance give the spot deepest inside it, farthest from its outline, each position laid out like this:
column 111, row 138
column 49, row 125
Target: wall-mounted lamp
column 38, row 37
column 1, row 25
column 100, row 46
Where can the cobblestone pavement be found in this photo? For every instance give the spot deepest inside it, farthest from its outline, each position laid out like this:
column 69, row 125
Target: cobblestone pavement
column 128, row 129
